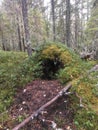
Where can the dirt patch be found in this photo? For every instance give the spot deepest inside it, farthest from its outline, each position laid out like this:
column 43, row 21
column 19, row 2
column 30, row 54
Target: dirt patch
column 36, row 94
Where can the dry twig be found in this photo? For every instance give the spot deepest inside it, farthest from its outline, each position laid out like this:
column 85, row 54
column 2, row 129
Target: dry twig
column 36, row 113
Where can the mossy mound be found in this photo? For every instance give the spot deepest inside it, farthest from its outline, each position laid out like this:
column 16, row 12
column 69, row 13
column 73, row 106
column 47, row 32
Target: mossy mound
column 54, row 58
column 52, row 61
column 58, row 61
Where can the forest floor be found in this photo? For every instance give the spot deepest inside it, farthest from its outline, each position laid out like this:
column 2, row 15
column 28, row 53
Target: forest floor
column 22, row 93
column 36, row 94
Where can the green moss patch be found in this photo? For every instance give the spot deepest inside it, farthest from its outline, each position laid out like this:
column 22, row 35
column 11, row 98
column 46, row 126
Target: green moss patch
column 86, row 120
column 54, row 58
column 9, row 63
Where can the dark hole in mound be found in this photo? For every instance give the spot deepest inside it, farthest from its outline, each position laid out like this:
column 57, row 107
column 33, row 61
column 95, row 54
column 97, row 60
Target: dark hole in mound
column 50, row 68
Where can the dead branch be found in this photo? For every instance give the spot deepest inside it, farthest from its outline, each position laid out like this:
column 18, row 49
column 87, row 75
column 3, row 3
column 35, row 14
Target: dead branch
column 36, row 113
column 53, row 124
column 81, row 104
column 95, row 68
column 86, row 56
column 80, row 98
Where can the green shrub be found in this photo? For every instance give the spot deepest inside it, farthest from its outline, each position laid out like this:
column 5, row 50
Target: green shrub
column 86, row 120
column 9, row 63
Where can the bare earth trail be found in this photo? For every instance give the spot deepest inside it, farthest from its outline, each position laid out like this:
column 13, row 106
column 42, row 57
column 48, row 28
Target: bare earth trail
column 36, row 94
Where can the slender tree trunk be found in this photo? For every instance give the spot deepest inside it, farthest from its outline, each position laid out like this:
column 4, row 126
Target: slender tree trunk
column 53, row 19
column 26, row 28
column 22, row 28
column 17, row 12
column 3, row 46
column 88, row 9
column 19, row 37
column 23, row 44
column 82, row 6
column 19, row 33
column 68, row 23
column 12, row 41
column 76, row 22
column 2, row 35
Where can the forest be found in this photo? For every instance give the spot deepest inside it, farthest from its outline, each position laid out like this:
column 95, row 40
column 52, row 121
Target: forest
column 48, row 64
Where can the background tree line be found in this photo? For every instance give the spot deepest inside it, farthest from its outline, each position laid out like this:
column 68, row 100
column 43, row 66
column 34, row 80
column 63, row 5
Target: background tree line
column 28, row 23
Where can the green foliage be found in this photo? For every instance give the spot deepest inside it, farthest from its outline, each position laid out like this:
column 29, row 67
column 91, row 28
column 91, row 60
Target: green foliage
column 4, row 117
column 95, row 90
column 16, row 70
column 92, row 28
column 69, row 73
column 21, row 117
column 59, row 56
column 9, row 62
column 38, row 26
column 86, row 87
column 93, row 79
column 56, row 61
column 86, row 120
column 27, row 71
column 63, row 76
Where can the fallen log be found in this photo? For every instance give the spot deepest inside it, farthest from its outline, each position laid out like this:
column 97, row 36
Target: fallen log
column 36, row 113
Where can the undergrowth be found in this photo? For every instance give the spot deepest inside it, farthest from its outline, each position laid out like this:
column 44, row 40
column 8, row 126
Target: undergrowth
column 9, row 62
column 86, row 120
column 52, row 61
column 16, row 70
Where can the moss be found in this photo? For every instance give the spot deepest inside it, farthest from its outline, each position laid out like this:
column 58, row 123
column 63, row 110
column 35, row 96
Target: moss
column 55, row 57
column 84, row 87
column 86, row 120
column 50, row 52
column 66, row 58
column 9, row 63
column 51, row 61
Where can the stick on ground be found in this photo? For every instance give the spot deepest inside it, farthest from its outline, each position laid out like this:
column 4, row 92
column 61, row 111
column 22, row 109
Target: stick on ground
column 36, row 113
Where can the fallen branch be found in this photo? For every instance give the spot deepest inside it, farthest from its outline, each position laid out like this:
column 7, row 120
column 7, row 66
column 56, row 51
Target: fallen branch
column 81, row 104
column 95, row 68
column 36, row 113
column 85, row 55
column 80, row 98
column 53, row 124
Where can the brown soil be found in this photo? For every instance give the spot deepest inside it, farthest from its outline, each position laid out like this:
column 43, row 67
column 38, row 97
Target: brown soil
column 36, row 94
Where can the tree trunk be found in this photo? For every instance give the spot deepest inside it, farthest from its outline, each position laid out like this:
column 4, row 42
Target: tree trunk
column 19, row 33
column 88, row 9
column 2, row 35
column 76, row 22
column 26, row 28
column 53, row 19
column 3, row 46
column 68, row 23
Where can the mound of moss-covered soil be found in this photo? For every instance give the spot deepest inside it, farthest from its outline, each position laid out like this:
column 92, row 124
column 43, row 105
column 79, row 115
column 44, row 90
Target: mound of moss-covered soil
column 51, row 64
column 32, row 97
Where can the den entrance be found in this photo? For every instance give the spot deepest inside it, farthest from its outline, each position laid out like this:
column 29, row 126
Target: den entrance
column 50, row 67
